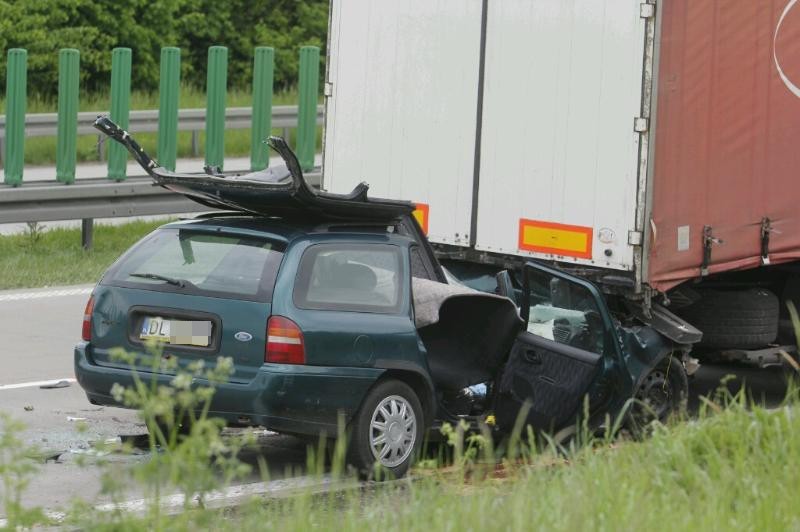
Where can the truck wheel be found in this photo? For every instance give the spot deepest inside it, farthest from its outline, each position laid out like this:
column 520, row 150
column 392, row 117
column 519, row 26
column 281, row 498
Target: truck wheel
column 744, row 319
column 791, row 293
column 662, row 392
column 387, row 431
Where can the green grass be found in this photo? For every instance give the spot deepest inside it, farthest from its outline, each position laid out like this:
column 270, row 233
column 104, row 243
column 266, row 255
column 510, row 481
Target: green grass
column 734, row 471
column 55, row 257
column 42, row 150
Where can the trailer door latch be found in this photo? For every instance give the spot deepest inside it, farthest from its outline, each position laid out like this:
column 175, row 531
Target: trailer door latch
column 708, row 240
column 641, row 125
column 647, row 10
column 766, row 230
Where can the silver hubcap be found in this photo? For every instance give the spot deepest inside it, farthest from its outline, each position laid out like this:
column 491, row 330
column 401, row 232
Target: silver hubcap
column 392, row 431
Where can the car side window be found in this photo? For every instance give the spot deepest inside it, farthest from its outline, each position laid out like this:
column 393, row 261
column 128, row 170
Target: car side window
column 350, row 277
column 565, row 312
column 419, row 268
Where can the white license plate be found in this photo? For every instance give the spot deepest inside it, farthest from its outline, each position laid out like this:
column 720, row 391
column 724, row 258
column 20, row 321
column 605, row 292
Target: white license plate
column 176, row 332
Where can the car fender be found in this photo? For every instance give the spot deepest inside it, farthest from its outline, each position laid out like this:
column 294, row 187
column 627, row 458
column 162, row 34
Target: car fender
column 415, row 376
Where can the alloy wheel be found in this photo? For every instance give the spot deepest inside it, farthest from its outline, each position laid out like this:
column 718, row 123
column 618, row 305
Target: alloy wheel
column 393, row 431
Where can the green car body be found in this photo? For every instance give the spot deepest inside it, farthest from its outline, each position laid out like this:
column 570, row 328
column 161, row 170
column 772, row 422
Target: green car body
column 342, row 363
column 346, row 352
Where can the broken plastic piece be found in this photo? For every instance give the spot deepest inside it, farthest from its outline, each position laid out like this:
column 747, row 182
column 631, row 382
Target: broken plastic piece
column 52, row 385
column 281, row 191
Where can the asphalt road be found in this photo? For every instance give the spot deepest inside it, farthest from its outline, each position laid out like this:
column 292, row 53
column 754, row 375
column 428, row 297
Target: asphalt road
column 39, row 329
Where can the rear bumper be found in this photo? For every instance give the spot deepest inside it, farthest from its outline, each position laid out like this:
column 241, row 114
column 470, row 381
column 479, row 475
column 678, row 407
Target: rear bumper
column 282, row 397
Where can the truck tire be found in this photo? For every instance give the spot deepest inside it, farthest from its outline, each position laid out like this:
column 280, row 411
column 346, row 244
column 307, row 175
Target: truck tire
column 743, row 319
column 386, row 433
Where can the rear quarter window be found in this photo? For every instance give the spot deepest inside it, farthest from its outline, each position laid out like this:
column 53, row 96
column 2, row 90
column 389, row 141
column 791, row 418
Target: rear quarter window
column 354, row 277
column 209, row 263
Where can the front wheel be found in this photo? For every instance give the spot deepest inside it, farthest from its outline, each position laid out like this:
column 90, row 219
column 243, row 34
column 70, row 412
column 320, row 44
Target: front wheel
column 662, row 393
column 386, row 433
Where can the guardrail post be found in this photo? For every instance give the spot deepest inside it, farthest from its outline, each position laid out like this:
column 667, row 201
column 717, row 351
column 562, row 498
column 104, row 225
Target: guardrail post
column 263, row 62
column 87, row 233
column 120, row 109
column 67, row 130
column 216, row 85
column 16, row 103
column 307, row 106
column 168, row 90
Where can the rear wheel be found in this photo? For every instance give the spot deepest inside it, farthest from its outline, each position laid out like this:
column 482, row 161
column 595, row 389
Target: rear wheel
column 743, row 319
column 387, row 431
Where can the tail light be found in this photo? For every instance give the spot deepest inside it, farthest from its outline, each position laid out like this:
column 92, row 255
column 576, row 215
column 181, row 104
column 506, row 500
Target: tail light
column 86, row 332
column 284, row 342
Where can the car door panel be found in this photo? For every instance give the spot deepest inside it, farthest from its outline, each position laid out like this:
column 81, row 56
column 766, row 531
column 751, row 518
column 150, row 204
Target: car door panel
column 551, row 377
column 555, row 361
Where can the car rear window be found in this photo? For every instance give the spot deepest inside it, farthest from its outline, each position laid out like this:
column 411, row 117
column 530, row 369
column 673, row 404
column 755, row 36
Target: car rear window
column 213, row 264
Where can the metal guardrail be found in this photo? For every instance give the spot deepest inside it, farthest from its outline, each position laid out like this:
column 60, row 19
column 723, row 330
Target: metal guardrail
column 87, row 199
column 146, row 121
column 46, row 124
column 95, row 198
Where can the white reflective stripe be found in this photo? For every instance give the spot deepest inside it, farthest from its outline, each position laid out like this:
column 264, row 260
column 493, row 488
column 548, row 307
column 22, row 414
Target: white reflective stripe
column 283, row 340
column 20, row 296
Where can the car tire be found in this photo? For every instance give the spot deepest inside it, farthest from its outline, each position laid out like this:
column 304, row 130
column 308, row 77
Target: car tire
column 662, row 393
column 743, row 319
column 391, row 411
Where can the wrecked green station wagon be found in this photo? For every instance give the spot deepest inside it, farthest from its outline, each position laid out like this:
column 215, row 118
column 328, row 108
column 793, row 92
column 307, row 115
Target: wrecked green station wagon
column 335, row 305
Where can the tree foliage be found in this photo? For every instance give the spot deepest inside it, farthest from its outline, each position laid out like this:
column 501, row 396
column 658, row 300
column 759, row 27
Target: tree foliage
column 95, row 27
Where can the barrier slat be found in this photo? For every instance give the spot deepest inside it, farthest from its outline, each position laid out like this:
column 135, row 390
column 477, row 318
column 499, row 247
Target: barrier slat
column 216, row 86
column 67, row 129
column 168, row 92
column 16, row 103
column 307, row 106
column 263, row 61
column 120, row 109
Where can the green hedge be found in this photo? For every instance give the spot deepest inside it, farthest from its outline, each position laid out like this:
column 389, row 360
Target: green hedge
column 96, row 26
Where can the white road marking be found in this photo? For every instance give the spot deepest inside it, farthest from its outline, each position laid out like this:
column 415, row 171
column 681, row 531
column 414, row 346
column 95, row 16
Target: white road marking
column 20, row 296
column 33, row 384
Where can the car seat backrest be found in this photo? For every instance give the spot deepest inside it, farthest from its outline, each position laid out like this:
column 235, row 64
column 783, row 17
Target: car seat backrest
column 353, row 276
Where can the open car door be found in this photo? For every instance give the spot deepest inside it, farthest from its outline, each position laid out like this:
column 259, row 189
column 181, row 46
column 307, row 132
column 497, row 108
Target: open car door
column 557, row 358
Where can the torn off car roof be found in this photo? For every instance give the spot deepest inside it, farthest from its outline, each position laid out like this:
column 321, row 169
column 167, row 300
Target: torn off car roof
column 281, row 191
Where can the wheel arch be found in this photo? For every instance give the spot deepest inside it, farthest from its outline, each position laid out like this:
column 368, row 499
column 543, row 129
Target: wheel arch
column 419, row 382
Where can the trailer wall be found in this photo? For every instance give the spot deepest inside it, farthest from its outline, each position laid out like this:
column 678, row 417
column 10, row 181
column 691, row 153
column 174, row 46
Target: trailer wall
column 402, row 105
column 559, row 155
column 727, row 144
